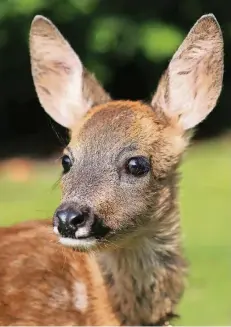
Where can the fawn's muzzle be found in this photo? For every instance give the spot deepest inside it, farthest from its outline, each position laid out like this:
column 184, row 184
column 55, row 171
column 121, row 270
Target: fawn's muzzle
column 76, row 223
column 69, row 221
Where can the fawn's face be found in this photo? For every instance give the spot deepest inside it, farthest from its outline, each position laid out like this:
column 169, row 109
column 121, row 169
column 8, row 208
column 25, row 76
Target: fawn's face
column 115, row 168
column 119, row 167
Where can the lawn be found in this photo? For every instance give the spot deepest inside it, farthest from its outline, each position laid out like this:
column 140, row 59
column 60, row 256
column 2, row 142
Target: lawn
column 206, row 221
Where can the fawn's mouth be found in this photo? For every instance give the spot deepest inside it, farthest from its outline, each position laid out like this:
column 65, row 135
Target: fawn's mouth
column 84, row 238
column 83, row 242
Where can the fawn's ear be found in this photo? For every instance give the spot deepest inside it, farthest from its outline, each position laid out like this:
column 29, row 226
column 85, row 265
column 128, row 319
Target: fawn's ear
column 191, row 85
column 64, row 87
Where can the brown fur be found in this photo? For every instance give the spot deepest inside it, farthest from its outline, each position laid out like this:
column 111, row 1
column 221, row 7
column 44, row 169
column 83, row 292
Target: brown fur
column 38, row 289
column 134, row 276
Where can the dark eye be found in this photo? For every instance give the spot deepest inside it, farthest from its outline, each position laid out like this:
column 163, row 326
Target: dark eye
column 66, row 163
column 138, row 166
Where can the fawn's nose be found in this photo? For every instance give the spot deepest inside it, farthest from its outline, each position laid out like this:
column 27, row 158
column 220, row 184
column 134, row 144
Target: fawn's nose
column 69, row 220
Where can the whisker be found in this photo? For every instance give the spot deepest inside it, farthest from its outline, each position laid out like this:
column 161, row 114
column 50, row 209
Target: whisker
column 56, row 184
column 59, row 137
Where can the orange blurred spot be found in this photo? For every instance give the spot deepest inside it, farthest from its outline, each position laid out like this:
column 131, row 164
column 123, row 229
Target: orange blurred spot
column 17, row 169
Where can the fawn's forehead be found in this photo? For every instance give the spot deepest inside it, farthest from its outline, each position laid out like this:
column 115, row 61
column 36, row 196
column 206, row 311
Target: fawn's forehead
column 118, row 122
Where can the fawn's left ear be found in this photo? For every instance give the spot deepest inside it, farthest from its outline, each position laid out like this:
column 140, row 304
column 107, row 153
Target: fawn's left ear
column 190, row 87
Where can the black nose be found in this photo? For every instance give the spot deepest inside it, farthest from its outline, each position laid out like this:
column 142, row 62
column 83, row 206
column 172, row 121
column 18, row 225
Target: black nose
column 69, row 220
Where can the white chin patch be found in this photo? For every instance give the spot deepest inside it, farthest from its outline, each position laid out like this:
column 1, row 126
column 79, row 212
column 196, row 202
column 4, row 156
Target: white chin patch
column 75, row 243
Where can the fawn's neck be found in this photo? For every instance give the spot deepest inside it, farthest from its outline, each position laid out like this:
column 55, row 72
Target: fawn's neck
column 145, row 282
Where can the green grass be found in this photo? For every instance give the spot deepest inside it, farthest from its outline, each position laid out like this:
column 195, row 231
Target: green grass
column 206, row 221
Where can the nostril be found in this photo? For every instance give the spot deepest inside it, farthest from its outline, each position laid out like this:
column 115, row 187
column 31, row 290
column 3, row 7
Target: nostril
column 70, row 218
column 78, row 220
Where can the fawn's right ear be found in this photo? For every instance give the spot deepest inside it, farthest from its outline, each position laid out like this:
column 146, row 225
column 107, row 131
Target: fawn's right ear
column 64, row 87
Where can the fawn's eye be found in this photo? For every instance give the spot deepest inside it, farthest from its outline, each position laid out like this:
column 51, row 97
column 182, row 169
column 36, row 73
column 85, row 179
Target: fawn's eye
column 138, row 166
column 66, row 163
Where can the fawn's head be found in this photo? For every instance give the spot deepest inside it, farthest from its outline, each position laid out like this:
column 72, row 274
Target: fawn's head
column 119, row 168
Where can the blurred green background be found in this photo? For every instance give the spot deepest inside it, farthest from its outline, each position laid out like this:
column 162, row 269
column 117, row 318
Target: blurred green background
column 127, row 44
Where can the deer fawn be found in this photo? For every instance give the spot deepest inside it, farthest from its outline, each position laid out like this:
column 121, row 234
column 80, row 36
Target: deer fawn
column 115, row 256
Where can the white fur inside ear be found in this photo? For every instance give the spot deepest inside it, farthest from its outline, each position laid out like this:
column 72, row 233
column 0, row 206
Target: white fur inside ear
column 72, row 105
column 192, row 83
